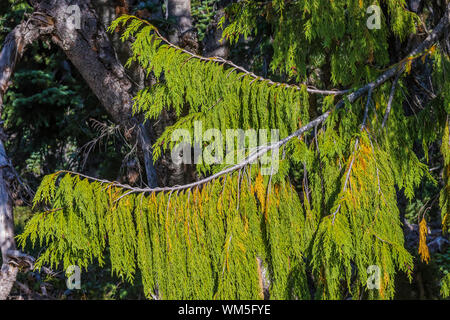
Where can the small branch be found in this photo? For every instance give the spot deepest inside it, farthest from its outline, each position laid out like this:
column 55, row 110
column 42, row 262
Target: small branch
column 25, row 263
column 430, row 93
column 391, row 98
column 363, row 126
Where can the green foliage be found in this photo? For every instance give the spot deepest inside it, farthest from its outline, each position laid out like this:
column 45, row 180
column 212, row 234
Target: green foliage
column 205, row 243
column 363, row 228
column 445, row 192
column 97, row 283
column 311, row 34
column 203, row 12
column 339, row 217
column 196, row 244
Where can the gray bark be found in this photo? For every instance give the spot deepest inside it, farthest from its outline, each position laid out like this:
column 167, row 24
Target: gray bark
column 212, row 46
column 15, row 44
column 92, row 53
column 8, row 271
column 181, row 11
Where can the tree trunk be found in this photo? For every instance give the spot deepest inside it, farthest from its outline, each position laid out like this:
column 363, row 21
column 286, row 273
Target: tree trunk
column 92, row 53
column 181, row 11
column 182, row 35
column 8, row 271
column 146, row 147
column 212, row 46
column 15, row 44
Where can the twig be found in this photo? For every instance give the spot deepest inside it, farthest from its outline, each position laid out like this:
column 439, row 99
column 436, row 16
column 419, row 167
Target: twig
column 363, row 126
column 430, row 93
column 391, row 98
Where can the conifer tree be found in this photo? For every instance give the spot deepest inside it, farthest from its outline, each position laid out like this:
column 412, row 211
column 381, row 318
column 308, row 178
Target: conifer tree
column 240, row 233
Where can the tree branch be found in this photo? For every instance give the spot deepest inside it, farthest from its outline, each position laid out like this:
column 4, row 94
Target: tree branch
column 391, row 99
column 243, row 70
column 352, row 97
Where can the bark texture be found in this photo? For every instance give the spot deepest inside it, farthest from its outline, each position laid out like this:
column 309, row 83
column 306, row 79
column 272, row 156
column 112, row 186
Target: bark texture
column 212, row 44
column 183, row 34
column 181, row 11
column 8, row 271
column 91, row 51
column 13, row 48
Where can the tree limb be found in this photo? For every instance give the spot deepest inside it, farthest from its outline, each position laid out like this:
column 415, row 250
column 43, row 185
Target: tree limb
column 391, row 99
column 352, row 97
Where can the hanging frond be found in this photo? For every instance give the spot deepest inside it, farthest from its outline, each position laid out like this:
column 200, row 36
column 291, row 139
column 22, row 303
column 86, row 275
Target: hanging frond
column 423, row 248
column 193, row 244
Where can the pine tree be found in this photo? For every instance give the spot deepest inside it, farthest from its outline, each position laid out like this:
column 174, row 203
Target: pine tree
column 237, row 230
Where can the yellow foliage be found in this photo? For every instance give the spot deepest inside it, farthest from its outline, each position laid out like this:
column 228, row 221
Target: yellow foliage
column 423, row 248
column 259, row 189
column 445, row 222
column 277, row 195
column 409, row 65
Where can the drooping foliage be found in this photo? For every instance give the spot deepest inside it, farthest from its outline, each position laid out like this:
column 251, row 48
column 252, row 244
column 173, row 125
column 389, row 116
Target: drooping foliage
column 316, row 236
column 220, row 97
column 209, row 242
column 197, row 244
column 311, row 34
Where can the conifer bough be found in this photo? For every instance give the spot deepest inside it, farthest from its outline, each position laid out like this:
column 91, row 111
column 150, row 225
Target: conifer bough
column 396, row 71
